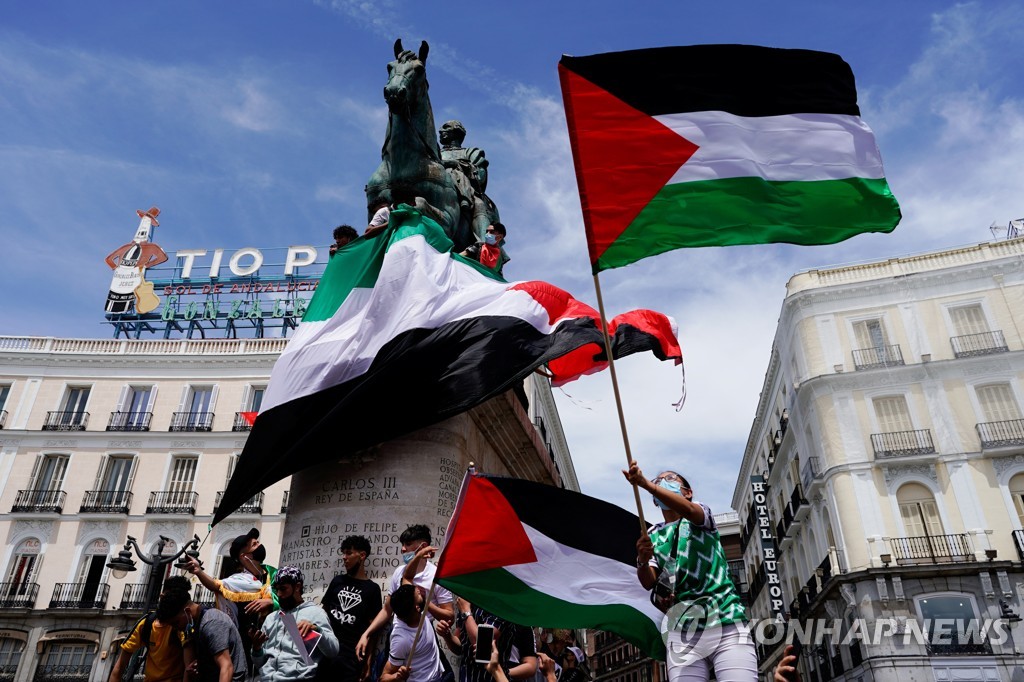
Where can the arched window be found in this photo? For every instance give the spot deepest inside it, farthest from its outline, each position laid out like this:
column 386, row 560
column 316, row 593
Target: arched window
column 918, row 510
column 24, row 565
column 1017, row 493
column 92, row 570
column 10, row 656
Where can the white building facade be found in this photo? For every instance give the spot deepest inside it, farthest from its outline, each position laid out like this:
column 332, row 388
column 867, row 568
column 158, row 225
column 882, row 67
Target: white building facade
column 101, row 440
column 890, row 438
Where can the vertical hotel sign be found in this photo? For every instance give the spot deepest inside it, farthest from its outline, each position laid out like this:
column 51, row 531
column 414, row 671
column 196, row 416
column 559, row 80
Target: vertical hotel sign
column 768, row 548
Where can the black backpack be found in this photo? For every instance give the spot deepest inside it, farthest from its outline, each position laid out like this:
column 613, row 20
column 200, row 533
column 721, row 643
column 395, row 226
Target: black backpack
column 137, row 663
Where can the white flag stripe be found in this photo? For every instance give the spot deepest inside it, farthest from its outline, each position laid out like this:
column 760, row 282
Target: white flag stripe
column 417, row 288
column 581, row 578
column 794, row 147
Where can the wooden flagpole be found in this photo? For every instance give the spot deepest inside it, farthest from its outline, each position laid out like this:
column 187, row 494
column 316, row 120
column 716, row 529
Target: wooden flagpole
column 618, row 398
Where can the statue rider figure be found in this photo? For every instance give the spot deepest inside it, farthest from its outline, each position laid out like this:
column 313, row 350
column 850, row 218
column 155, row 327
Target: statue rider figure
column 467, row 168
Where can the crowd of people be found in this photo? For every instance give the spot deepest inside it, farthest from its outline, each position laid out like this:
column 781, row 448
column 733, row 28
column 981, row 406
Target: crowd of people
column 261, row 627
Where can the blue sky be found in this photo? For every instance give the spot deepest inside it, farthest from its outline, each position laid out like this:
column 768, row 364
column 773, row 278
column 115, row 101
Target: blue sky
column 258, row 123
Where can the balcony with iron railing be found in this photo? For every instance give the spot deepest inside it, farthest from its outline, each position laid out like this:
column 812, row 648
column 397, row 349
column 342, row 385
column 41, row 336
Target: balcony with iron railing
column 135, row 597
column 985, row 343
column 129, row 421
column 241, row 423
column 879, row 356
column 811, row 472
column 79, row 595
column 1018, row 542
column 39, row 501
column 63, row 673
column 106, row 502
column 172, row 502
column 798, row 505
column 192, row 421
column 959, row 644
column 18, row 595
column 932, row 549
column 1004, row 434
column 902, row 443
column 254, row 505
column 7, row 672
column 3, row 418
column 66, row 421
column 284, row 501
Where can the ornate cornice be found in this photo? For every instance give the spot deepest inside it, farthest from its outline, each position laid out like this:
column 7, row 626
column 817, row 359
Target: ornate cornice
column 896, row 472
column 1002, row 464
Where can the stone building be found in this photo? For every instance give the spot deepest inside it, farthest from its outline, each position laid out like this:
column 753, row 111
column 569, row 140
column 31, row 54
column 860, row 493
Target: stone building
column 890, row 440
column 105, row 439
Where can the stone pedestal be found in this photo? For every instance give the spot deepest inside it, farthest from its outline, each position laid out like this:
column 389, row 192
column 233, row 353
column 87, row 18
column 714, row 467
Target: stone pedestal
column 414, row 479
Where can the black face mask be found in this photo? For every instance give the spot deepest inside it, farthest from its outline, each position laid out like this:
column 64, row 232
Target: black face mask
column 259, row 554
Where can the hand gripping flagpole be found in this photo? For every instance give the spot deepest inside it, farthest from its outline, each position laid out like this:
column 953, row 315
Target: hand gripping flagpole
column 618, row 399
column 470, row 472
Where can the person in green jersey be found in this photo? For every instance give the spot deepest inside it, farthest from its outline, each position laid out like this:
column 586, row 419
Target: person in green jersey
column 682, row 561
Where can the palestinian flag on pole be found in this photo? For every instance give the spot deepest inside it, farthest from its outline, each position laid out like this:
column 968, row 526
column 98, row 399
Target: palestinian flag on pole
column 543, row 556
column 719, row 145
column 399, row 321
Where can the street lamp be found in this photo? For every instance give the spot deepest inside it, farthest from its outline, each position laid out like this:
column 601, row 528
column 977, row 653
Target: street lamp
column 123, row 564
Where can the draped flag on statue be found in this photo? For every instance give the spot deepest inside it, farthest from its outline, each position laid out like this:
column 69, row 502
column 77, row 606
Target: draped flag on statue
column 513, row 548
column 718, row 145
column 401, row 334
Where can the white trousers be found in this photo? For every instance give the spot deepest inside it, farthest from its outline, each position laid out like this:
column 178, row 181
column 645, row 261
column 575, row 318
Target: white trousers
column 728, row 649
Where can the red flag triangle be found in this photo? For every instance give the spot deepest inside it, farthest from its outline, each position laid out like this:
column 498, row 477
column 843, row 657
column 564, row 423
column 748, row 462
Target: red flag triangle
column 487, row 534
column 623, row 158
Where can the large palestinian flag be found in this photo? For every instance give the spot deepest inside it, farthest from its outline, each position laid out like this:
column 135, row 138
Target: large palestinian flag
column 542, row 556
column 401, row 334
column 718, row 145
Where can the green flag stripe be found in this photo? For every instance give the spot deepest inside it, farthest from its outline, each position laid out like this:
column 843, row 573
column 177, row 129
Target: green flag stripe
column 508, row 597
column 357, row 265
column 752, row 210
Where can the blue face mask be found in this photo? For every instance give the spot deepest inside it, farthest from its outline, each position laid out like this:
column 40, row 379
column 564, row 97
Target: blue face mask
column 491, row 239
column 673, row 486
column 407, row 557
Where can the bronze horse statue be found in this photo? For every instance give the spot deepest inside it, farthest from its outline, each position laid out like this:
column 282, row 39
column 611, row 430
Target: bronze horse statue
column 411, row 156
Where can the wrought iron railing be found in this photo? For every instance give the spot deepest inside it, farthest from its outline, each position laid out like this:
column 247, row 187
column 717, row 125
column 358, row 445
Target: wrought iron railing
column 79, row 596
column 129, row 421
column 810, row 473
column 254, row 505
column 66, row 421
column 18, row 595
column 241, row 423
column 934, row 549
column 192, row 421
column 1001, row 434
column 49, row 501
column 135, row 597
column 172, row 502
column 7, row 672
column 62, row 673
column 902, row 443
column 203, row 596
column 106, row 502
column 954, row 647
column 984, row 343
column 879, row 356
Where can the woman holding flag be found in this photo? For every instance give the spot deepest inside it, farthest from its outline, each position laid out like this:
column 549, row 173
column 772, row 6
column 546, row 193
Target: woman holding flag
column 683, row 562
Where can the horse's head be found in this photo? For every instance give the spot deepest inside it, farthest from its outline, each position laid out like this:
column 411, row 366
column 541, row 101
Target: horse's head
column 407, row 78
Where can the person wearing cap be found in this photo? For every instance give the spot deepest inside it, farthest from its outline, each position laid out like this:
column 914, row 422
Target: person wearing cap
column 275, row 647
column 245, row 595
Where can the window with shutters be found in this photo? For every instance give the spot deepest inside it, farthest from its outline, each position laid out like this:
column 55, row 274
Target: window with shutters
column 195, row 411
column 72, row 415
column 114, row 482
column 1017, row 493
column 45, row 493
column 998, row 402
column 870, row 333
column 182, row 479
column 971, row 333
column 10, row 656
column 918, row 510
column 873, row 348
column 5, row 391
column 893, row 414
column 92, row 571
column 21, row 572
column 67, row 661
column 134, row 409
